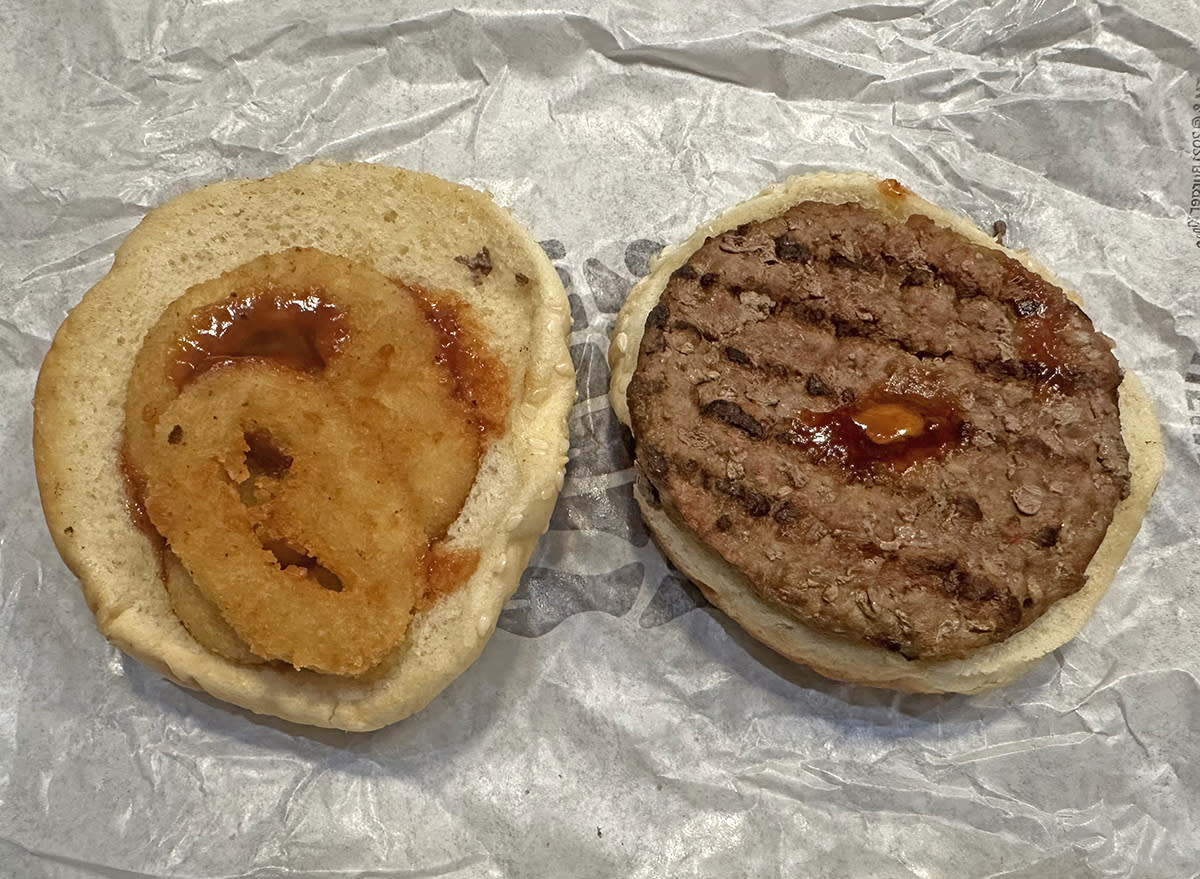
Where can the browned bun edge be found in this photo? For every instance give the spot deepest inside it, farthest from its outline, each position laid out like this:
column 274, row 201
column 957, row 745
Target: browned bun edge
column 407, row 225
column 835, row 657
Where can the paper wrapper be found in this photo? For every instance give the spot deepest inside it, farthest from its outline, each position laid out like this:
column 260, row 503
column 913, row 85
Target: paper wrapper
column 616, row 725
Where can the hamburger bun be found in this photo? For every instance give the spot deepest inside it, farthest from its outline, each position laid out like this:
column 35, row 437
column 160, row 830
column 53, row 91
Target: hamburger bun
column 390, row 225
column 768, row 612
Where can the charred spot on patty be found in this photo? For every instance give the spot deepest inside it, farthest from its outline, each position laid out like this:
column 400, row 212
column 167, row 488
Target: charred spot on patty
column 755, row 503
column 786, row 513
column 1047, row 537
column 815, row 387
column 655, row 461
column 659, row 317
column 791, row 251
column 917, row 277
column 736, row 355
column 733, row 415
column 966, row 507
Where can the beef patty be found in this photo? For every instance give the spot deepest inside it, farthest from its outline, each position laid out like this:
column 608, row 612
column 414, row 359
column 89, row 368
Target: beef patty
column 899, row 436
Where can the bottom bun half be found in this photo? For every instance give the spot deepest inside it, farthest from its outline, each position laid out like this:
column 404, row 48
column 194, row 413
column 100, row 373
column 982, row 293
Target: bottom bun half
column 838, row 657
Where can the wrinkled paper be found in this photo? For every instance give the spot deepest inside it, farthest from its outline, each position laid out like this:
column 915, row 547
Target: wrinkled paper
column 616, row 725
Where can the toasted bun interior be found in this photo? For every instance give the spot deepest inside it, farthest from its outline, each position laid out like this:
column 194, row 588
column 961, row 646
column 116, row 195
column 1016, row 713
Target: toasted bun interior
column 832, row 656
column 412, row 227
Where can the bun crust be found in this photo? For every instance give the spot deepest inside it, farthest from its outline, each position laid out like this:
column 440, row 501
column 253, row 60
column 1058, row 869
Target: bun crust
column 730, row 590
column 421, row 230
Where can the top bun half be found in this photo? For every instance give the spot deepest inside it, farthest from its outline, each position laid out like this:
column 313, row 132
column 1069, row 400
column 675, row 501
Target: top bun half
column 412, row 227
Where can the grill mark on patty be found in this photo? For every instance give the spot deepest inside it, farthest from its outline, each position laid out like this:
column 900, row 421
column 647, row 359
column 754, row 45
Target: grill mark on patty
column 1021, row 293
column 761, row 423
column 812, row 314
column 816, row 315
column 906, row 272
column 963, row 267
column 986, row 608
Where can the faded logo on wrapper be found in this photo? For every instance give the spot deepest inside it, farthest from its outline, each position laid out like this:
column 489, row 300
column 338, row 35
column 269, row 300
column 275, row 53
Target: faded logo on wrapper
column 1192, row 375
column 597, row 494
column 1193, row 210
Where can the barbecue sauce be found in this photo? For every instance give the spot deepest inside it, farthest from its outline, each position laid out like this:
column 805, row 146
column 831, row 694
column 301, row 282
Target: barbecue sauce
column 299, row 330
column 881, row 430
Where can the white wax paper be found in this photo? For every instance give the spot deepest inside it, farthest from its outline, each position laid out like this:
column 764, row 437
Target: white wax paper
column 615, row 725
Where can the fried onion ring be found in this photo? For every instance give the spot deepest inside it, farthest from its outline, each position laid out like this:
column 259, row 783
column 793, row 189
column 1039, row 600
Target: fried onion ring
column 201, row 617
column 303, row 436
